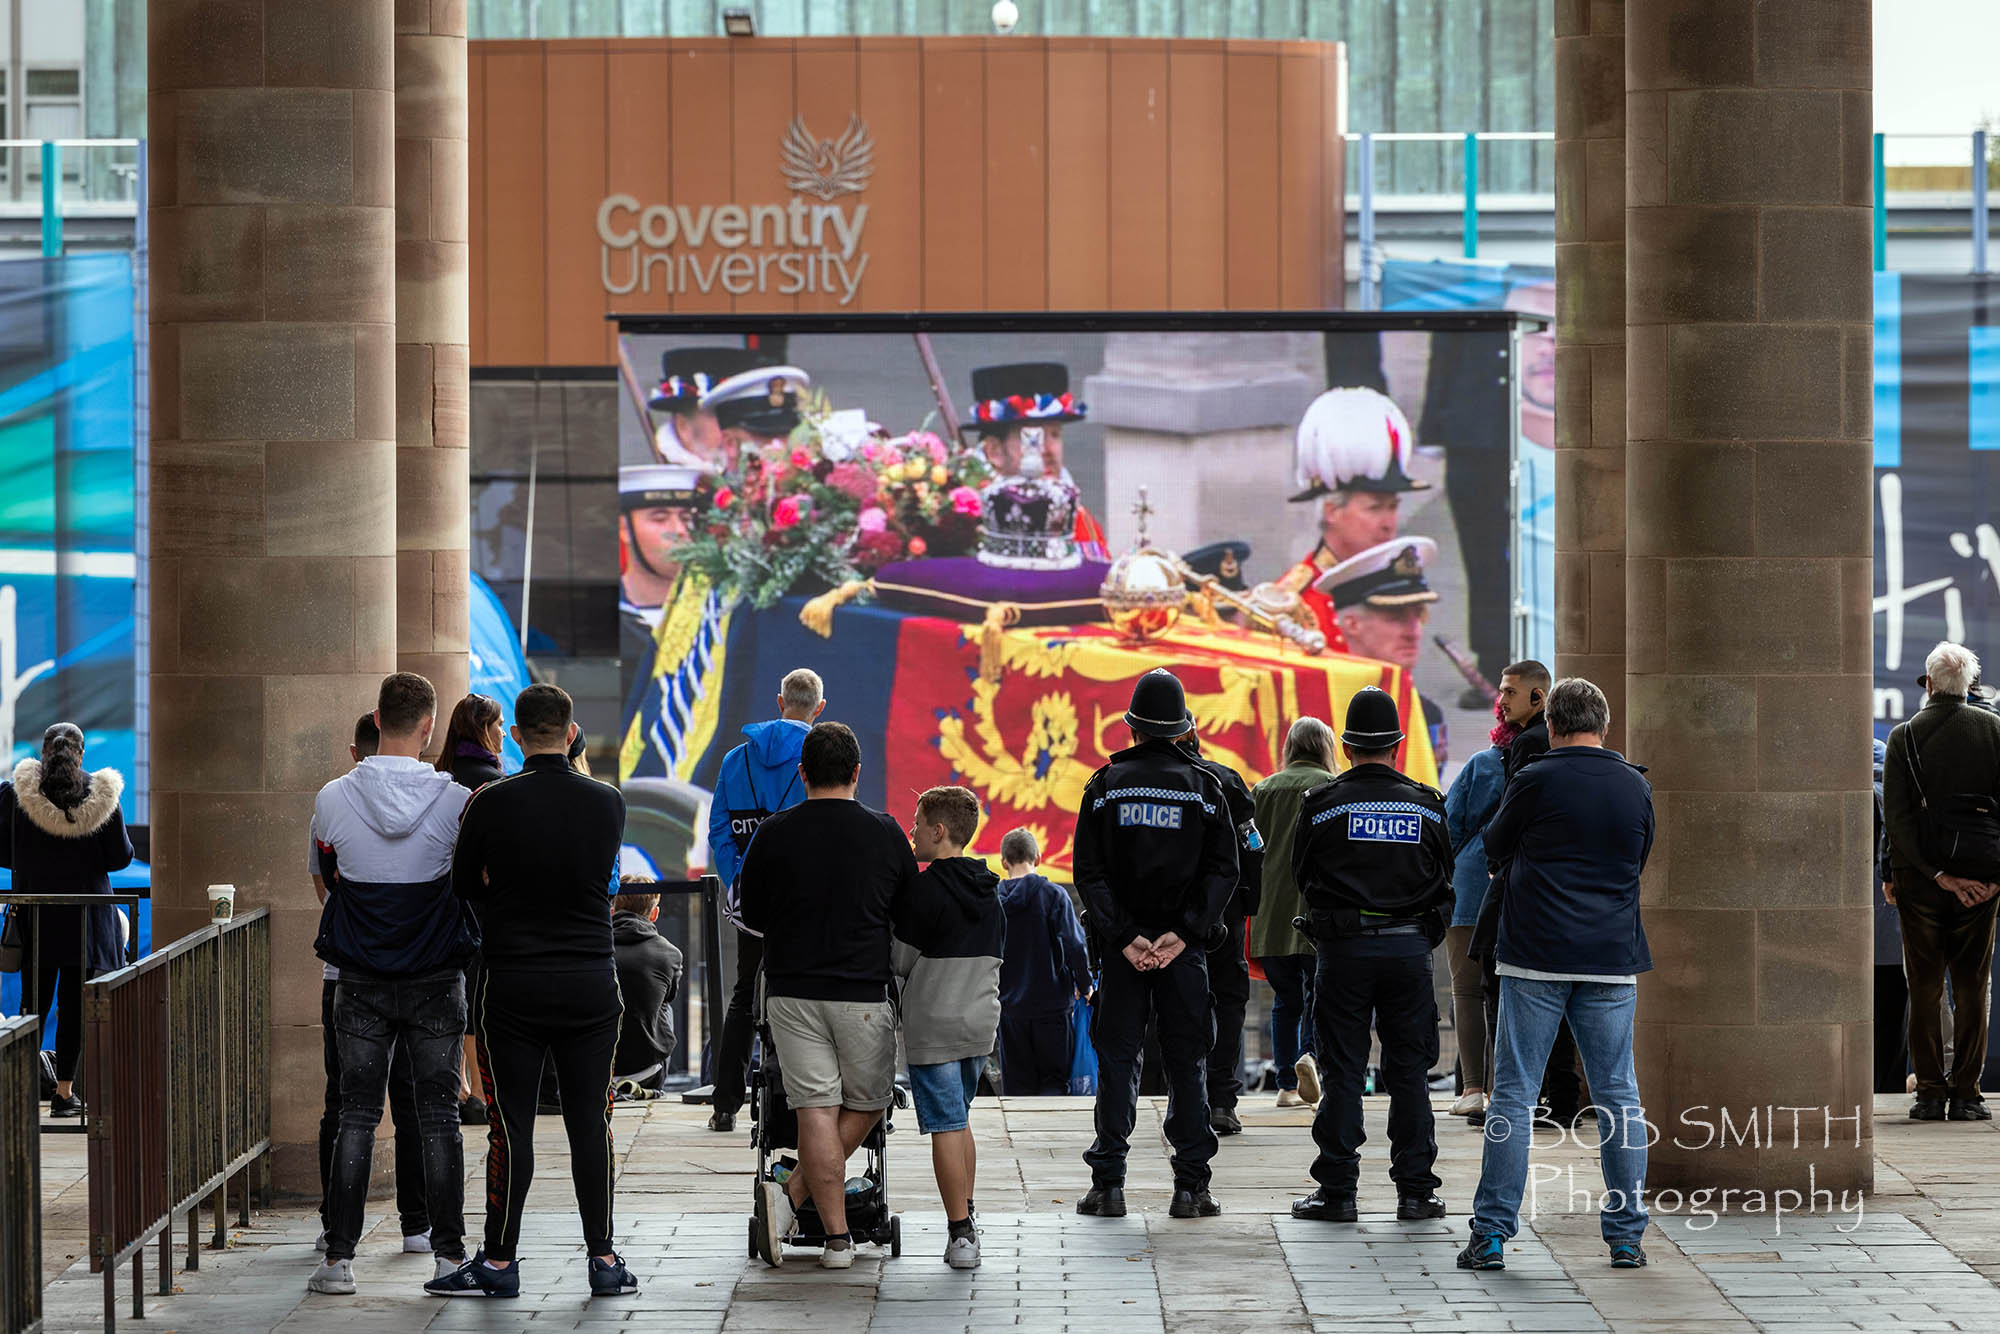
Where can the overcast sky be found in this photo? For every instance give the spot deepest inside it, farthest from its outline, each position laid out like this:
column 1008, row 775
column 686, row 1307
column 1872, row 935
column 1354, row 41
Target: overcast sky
column 1937, row 71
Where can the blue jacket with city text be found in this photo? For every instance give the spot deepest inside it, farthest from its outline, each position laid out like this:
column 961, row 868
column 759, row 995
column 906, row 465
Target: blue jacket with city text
column 1573, row 832
column 759, row 778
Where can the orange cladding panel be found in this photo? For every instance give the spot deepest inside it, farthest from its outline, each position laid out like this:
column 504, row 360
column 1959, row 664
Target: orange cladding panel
column 1197, row 218
column 1251, row 181
column 1015, row 177
column 578, row 138
column 955, row 209
column 870, row 174
column 1079, row 212
column 1137, row 158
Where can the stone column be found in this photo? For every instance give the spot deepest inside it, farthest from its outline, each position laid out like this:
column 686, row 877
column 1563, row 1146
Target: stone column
column 1590, row 348
column 1748, row 580
column 433, row 259
column 273, row 463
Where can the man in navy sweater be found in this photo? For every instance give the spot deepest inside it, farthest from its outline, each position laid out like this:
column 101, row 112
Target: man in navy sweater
column 391, row 925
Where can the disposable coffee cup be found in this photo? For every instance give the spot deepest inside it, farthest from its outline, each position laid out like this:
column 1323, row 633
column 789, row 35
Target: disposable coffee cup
column 221, row 902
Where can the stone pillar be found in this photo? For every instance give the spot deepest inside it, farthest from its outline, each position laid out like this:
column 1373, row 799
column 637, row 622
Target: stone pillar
column 433, row 259
column 1748, row 579
column 1206, row 423
column 1590, row 348
column 273, row 479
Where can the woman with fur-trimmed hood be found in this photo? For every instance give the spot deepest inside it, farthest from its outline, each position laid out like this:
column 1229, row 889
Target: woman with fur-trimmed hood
column 62, row 833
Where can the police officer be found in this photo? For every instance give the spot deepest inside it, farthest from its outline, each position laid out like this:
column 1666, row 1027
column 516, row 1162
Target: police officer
column 1373, row 862
column 1228, row 964
column 1156, row 863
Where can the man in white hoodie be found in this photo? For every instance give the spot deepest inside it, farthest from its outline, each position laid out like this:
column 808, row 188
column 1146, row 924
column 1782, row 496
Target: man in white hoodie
column 384, row 833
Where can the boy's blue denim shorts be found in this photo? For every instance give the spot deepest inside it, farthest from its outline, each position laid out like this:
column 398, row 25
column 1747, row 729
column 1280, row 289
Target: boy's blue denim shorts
column 943, row 1093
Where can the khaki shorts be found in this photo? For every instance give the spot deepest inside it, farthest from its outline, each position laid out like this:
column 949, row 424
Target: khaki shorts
column 835, row 1053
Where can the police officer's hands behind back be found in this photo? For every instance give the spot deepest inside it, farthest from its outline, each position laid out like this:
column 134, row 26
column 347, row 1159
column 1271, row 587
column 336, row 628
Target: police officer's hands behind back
column 1146, row 955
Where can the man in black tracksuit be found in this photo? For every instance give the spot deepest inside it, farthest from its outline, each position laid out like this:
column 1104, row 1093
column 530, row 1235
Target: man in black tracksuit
column 537, row 859
column 1228, row 964
column 1373, row 863
column 1156, row 863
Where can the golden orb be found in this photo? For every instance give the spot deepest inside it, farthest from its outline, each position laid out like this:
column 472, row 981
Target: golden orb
column 1144, row 593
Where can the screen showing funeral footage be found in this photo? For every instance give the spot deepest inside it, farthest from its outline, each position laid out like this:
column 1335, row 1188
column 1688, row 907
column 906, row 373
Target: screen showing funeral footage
column 980, row 541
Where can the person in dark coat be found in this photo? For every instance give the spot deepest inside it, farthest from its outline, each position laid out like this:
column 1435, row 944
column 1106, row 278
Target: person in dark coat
column 1044, row 970
column 471, row 755
column 62, row 833
column 649, row 978
column 1572, row 834
column 1892, row 990
column 472, row 741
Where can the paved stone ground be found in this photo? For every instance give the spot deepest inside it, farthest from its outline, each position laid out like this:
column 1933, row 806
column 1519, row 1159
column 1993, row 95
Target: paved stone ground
column 1921, row 1254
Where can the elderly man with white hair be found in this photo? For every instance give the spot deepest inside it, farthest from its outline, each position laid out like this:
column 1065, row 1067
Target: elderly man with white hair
column 1940, row 795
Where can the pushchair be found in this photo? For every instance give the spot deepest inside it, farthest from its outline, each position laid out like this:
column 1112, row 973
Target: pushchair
column 774, row 1126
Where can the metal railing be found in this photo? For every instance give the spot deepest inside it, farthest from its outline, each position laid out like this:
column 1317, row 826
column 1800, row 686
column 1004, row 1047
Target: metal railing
column 20, row 1176
column 32, row 966
column 703, row 1000
column 178, row 1055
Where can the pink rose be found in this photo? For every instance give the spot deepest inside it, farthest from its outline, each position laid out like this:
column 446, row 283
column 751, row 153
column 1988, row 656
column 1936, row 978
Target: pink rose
column 929, row 443
column 853, row 480
column 918, row 546
column 723, row 498
column 776, row 468
column 965, row 500
column 871, row 452
column 873, row 519
column 787, row 513
column 801, row 459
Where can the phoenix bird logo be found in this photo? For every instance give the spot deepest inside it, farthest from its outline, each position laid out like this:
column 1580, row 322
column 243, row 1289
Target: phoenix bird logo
column 826, row 168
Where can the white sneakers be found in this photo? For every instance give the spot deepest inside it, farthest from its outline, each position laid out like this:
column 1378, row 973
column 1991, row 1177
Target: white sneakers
column 334, row 1277
column 445, row 1268
column 962, row 1253
column 1291, row 1098
column 775, row 1217
column 418, row 1243
column 1307, row 1069
column 1473, row 1100
column 837, row 1255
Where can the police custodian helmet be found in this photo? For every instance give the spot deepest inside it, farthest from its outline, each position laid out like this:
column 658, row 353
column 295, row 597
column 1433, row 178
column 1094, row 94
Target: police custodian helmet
column 1159, row 706
column 1372, row 722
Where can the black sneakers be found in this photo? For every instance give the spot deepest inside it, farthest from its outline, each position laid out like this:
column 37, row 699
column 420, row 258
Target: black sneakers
column 64, row 1109
column 1103, row 1202
column 611, row 1280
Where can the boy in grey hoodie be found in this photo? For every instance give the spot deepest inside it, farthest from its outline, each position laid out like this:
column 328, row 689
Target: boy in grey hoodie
column 948, row 955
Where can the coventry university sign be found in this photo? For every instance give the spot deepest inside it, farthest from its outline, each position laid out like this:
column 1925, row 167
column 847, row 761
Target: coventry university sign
column 786, row 249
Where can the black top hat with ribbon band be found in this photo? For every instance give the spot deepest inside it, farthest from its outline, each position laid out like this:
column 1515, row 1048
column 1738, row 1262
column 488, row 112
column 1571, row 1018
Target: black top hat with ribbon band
column 1372, row 721
column 1024, row 393
column 686, row 373
column 1159, row 706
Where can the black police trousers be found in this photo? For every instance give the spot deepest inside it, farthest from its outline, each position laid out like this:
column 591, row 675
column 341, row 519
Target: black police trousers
column 1388, row 976
column 1229, row 995
column 1178, row 996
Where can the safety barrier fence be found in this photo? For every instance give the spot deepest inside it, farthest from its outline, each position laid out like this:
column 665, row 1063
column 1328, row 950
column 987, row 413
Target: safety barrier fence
column 177, row 1057
column 20, row 1176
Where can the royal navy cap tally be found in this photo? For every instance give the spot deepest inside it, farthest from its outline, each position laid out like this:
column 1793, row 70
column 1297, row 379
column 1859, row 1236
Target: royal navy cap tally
column 1372, row 722
column 1354, row 439
column 1388, row 575
column 1223, row 560
column 763, row 401
column 687, row 373
column 645, row 486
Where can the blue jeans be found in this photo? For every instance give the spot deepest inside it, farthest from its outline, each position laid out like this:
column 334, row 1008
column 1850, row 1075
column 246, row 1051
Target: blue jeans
column 1600, row 1014
column 1291, row 979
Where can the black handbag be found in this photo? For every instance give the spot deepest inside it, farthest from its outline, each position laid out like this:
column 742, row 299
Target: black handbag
column 1960, row 831
column 13, row 945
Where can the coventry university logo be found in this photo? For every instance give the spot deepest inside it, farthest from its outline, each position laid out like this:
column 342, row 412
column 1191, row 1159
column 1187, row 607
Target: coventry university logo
column 827, row 168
